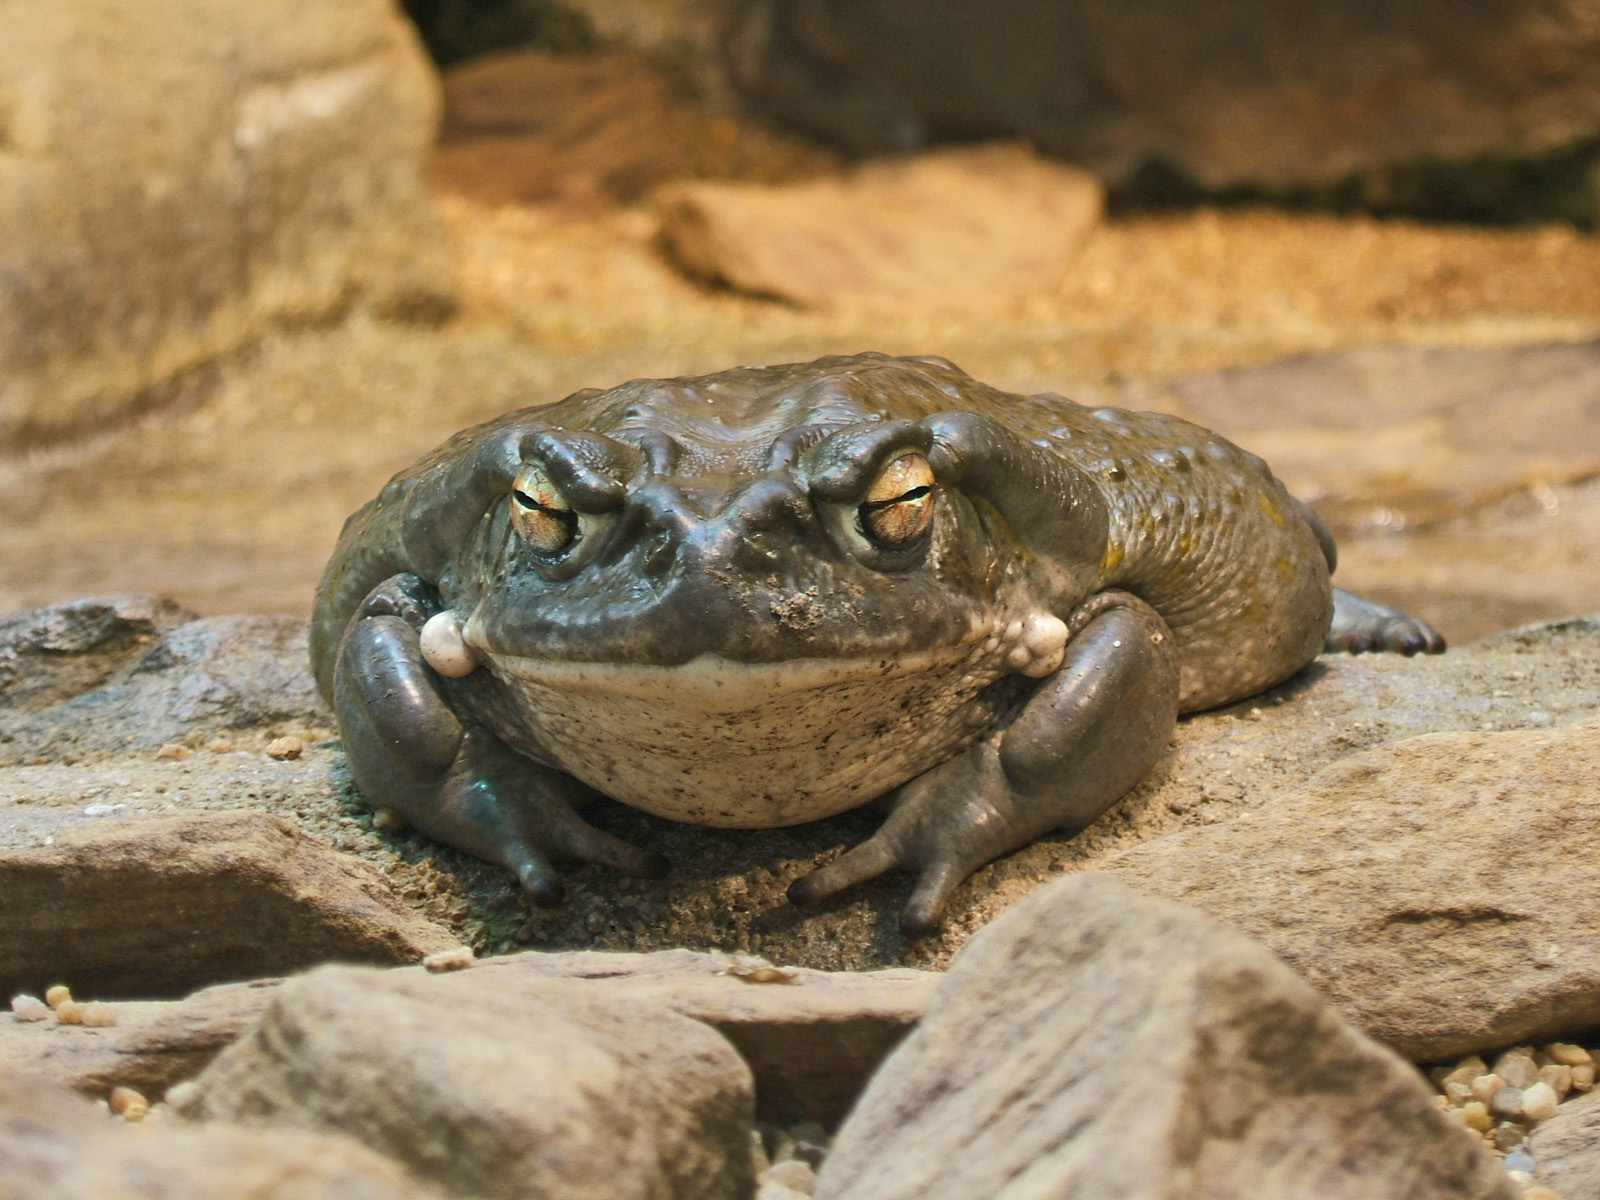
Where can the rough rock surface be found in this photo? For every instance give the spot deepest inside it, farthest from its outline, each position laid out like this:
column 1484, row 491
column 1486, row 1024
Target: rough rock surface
column 1094, row 1043
column 1279, row 96
column 53, row 1144
column 497, row 1089
column 1566, row 1150
column 159, row 906
column 175, row 176
column 727, row 886
column 995, row 220
column 1413, row 886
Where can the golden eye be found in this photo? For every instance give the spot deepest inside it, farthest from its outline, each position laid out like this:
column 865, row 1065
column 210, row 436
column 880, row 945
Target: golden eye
column 540, row 513
column 899, row 505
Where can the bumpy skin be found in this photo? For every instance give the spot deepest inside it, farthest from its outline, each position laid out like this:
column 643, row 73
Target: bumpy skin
column 723, row 641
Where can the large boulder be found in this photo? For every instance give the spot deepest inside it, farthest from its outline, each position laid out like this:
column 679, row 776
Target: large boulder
column 497, row 1087
column 1425, row 887
column 1092, row 1043
column 179, row 174
column 1287, row 97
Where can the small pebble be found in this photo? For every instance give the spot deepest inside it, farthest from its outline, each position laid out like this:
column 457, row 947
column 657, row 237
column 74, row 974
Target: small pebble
column 792, row 1174
column 285, row 748
column 1539, row 1102
column 1517, row 1068
column 1508, row 1136
column 1567, row 1054
column 173, row 751
column 70, row 1012
column 1464, row 1071
column 1457, row 1092
column 29, row 1008
column 1519, row 1177
column 1583, row 1076
column 220, row 746
column 179, row 1094
column 758, row 1153
column 1475, row 1116
column 1484, row 1087
column 128, row 1104
column 98, row 1015
column 458, row 959
column 1539, row 1192
column 1519, row 1160
column 58, row 995
column 1507, row 1103
column 1559, row 1078
column 387, row 818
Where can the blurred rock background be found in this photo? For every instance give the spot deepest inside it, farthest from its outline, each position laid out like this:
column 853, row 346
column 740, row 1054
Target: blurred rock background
column 253, row 259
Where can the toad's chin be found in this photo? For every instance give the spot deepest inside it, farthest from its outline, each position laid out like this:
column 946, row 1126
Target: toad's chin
column 751, row 745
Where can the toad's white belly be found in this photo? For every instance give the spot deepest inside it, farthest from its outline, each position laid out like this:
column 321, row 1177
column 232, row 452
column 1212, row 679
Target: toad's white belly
column 752, row 745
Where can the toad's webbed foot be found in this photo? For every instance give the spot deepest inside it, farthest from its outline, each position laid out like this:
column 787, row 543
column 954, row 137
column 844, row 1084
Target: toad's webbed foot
column 1360, row 625
column 1088, row 733
column 451, row 778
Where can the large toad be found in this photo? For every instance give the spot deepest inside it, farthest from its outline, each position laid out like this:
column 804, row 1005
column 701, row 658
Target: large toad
column 765, row 596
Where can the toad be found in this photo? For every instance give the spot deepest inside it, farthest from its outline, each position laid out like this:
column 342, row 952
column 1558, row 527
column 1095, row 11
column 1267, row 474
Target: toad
column 766, row 596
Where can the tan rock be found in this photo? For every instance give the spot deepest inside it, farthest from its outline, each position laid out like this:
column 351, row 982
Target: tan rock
column 1410, row 885
column 54, row 1144
column 945, row 227
column 1095, row 1043
column 161, row 905
column 494, row 1088
column 175, row 176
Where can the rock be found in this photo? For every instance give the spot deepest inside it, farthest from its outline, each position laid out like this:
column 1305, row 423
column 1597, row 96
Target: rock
column 130, row 691
column 53, row 1144
column 155, row 1044
column 1566, row 1150
column 1329, row 98
column 177, row 177
column 944, row 227
column 811, row 1039
column 1092, row 1042
column 1411, row 886
column 1394, row 437
column 497, row 1088
column 159, row 906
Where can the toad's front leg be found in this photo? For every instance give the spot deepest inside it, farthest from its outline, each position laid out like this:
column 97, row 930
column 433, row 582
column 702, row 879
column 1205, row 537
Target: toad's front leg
column 1090, row 732
column 455, row 781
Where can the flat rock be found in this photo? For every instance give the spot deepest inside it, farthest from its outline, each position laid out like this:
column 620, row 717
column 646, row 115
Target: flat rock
column 497, row 1088
column 1095, row 1043
column 1566, row 1149
column 943, row 227
column 160, row 906
column 208, row 171
column 1426, row 888
column 54, row 1144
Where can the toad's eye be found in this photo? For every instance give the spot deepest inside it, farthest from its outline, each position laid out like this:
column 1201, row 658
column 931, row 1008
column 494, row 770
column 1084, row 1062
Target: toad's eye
column 899, row 506
column 540, row 513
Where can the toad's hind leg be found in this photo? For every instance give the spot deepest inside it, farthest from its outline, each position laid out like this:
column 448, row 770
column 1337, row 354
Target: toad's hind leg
column 1090, row 732
column 1360, row 625
column 451, row 778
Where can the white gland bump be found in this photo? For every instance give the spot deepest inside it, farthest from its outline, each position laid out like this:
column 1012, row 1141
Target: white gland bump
column 1045, row 636
column 444, row 649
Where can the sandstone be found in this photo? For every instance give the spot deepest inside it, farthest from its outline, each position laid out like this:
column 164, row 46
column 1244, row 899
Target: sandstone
column 1366, row 104
column 1410, row 886
column 177, row 177
column 494, row 1088
column 1089, row 1021
column 54, row 1144
column 1566, row 1150
column 159, row 906
column 945, row 227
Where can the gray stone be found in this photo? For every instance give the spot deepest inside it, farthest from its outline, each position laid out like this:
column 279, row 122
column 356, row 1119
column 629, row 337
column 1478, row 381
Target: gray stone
column 160, row 906
column 497, row 1087
column 54, row 1144
column 177, row 176
column 1566, row 1150
column 52, row 654
column 1093, row 1043
column 1424, row 887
